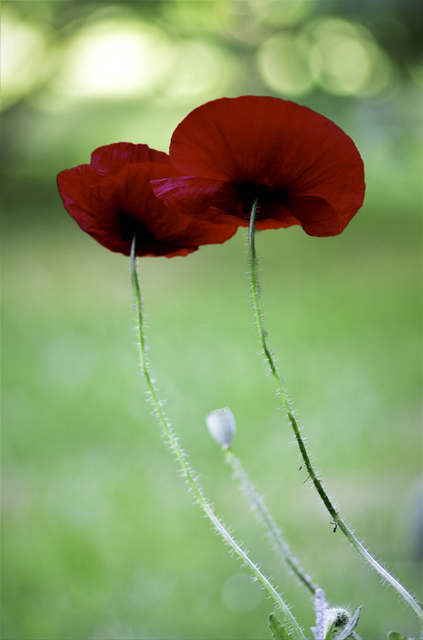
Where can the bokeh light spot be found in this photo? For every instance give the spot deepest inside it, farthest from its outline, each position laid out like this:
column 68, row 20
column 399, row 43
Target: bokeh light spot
column 115, row 59
column 341, row 64
column 23, row 57
column 283, row 64
column 345, row 59
column 240, row 23
column 202, row 71
column 283, row 12
column 193, row 17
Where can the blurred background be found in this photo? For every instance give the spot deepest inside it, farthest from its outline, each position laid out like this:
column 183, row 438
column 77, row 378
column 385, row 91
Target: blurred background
column 100, row 539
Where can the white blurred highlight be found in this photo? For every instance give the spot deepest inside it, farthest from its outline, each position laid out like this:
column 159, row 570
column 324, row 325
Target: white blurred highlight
column 23, row 57
column 115, row 59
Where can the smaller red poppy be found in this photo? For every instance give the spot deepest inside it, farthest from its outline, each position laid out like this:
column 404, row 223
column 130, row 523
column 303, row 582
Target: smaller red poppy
column 112, row 198
column 303, row 169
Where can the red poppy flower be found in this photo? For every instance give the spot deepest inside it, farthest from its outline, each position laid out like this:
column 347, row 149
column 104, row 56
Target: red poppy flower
column 111, row 199
column 302, row 167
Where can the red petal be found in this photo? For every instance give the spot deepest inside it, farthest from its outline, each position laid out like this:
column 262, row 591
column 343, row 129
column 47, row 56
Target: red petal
column 190, row 194
column 74, row 188
column 219, row 203
column 201, row 232
column 318, row 217
column 99, row 204
column 114, row 157
column 272, row 142
column 274, row 223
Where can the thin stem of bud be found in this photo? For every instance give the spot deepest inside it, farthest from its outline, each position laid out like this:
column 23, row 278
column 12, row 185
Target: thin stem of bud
column 267, row 521
column 307, row 462
column 188, row 472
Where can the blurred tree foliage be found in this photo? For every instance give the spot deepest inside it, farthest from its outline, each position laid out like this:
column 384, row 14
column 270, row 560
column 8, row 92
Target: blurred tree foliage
column 38, row 133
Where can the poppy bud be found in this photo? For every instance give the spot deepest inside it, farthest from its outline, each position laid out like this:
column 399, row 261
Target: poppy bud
column 221, row 425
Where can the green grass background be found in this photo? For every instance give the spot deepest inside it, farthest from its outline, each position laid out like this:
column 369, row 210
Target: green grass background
column 100, row 537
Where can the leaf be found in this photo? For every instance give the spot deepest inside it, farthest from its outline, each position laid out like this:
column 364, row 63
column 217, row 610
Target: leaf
column 394, row 635
column 330, row 631
column 278, row 631
column 347, row 631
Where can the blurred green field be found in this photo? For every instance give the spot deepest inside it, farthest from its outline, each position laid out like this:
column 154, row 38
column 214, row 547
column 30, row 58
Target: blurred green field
column 100, row 538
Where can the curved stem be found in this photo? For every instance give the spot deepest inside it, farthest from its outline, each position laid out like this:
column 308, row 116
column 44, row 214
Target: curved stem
column 187, row 470
column 266, row 519
column 312, row 473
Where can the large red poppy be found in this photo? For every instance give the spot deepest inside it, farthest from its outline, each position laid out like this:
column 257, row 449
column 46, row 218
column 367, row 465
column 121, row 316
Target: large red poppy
column 111, row 199
column 302, row 167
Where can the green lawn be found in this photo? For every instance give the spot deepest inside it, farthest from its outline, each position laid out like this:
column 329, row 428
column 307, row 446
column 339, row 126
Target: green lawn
column 100, row 539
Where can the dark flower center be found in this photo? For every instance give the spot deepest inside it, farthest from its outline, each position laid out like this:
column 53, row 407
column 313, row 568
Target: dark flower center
column 249, row 192
column 128, row 227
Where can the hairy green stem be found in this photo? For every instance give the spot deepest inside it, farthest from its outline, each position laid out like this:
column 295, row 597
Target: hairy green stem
column 187, row 470
column 306, row 459
column 267, row 521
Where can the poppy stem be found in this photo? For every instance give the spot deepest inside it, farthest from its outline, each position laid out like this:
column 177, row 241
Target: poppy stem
column 188, row 472
column 267, row 521
column 337, row 520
